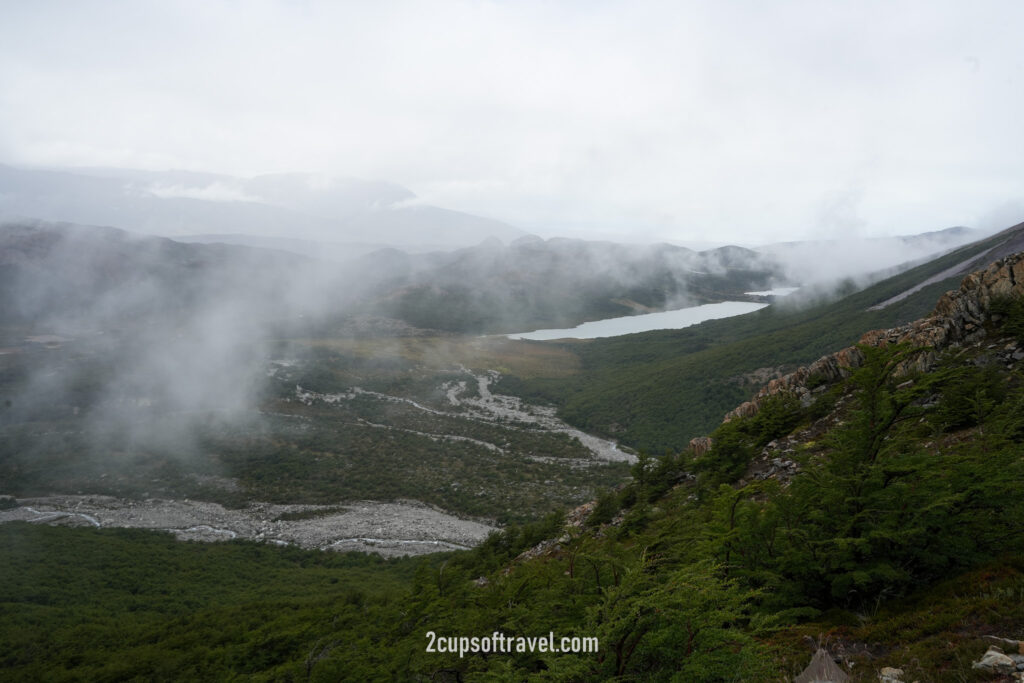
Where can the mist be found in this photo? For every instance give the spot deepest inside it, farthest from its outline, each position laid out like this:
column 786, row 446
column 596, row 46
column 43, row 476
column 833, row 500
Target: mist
column 138, row 344
column 821, row 264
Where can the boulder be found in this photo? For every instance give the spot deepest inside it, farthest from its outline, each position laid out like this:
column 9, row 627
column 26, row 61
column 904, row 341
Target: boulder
column 995, row 662
column 890, row 675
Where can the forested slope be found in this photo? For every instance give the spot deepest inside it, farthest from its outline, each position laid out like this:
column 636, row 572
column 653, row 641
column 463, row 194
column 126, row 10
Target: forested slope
column 881, row 517
column 657, row 390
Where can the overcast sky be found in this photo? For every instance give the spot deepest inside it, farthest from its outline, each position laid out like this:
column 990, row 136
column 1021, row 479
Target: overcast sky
column 740, row 121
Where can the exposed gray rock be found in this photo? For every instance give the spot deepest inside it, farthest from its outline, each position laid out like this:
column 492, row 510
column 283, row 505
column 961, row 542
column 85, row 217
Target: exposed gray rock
column 995, row 662
column 890, row 675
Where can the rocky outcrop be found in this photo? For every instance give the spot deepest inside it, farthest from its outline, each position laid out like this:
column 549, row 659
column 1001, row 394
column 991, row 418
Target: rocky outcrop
column 700, row 445
column 995, row 661
column 1006, row 658
column 959, row 317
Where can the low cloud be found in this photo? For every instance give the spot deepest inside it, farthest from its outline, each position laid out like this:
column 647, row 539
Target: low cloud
column 677, row 119
column 214, row 192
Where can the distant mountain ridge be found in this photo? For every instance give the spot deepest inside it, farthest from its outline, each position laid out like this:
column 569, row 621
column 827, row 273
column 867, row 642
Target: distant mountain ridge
column 107, row 276
column 98, row 278
column 492, row 287
column 534, row 283
column 303, row 206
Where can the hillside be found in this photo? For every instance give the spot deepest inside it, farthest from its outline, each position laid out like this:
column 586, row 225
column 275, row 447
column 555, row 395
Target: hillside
column 54, row 269
column 869, row 501
column 656, row 391
column 534, row 283
column 58, row 277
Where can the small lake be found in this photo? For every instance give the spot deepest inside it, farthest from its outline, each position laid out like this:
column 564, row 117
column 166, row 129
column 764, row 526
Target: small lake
column 630, row 324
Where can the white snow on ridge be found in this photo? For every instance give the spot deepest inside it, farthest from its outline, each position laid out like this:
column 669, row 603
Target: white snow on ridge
column 778, row 291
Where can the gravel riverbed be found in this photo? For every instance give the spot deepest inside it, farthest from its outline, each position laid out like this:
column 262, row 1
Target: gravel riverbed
column 390, row 529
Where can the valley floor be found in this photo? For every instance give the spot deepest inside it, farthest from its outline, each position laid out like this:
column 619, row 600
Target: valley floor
column 390, row 529
column 432, row 461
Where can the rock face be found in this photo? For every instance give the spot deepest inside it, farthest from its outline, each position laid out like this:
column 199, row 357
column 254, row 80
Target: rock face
column 959, row 317
column 700, row 445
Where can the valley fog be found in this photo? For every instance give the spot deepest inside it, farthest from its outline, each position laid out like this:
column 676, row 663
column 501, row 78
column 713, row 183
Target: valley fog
column 140, row 344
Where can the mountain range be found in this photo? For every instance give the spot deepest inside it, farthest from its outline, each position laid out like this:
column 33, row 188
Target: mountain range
column 297, row 206
column 102, row 274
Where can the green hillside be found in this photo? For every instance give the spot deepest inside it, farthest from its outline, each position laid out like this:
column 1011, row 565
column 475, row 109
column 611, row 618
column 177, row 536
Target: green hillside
column 894, row 536
column 533, row 284
column 657, row 390
column 881, row 518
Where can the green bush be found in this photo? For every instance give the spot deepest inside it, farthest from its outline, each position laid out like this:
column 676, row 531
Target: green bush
column 969, row 395
column 1012, row 311
column 736, row 442
column 605, row 508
